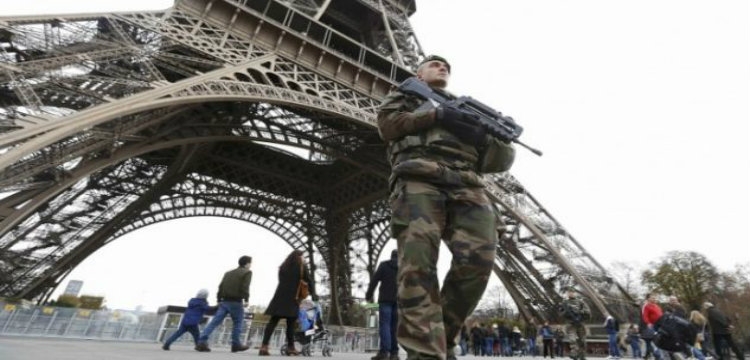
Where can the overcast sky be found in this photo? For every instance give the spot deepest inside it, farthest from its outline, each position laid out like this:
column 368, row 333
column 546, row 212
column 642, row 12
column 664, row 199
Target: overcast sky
column 641, row 108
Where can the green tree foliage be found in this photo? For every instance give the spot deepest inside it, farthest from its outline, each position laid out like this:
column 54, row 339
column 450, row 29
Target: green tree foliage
column 685, row 274
column 67, row 301
column 91, row 302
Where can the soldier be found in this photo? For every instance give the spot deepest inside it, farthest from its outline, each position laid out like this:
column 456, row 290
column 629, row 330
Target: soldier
column 575, row 310
column 437, row 155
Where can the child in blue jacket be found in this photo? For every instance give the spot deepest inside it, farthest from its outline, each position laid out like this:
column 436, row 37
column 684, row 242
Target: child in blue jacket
column 197, row 306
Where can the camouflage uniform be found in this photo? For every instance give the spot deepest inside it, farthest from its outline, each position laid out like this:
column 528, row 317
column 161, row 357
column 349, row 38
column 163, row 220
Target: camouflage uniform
column 436, row 194
column 576, row 330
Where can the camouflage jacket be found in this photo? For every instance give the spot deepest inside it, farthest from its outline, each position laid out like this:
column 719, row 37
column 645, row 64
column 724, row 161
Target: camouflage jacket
column 575, row 310
column 419, row 150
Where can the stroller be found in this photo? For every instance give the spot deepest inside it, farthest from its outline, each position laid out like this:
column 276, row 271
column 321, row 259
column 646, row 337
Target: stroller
column 311, row 331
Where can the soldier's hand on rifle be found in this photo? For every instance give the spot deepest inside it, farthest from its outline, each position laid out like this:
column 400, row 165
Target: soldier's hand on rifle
column 464, row 126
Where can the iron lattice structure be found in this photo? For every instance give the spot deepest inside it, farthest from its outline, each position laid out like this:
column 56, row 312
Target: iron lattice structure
column 257, row 110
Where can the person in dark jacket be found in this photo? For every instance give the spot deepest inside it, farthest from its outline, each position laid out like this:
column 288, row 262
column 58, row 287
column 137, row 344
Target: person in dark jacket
column 233, row 296
column 503, row 334
column 464, row 343
column 634, row 339
column 531, row 332
column 387, row 306
column 476, row 338
column 721, row 329
column 285, row 301
column 612, row 326
column 676, row 308
column 559, row 341
column 548, row 336
column 196, row 307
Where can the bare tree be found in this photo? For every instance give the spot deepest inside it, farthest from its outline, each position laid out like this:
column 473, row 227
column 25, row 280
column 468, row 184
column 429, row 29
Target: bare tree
column 627, row 274
column 497, row 303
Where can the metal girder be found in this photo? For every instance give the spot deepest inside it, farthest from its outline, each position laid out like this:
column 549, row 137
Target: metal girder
column 192, row 123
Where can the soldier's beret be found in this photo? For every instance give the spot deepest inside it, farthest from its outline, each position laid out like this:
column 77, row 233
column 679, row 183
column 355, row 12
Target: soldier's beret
column 436, row 58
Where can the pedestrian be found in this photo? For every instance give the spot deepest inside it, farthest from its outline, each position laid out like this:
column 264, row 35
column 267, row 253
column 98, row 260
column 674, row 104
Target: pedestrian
column 612, row 326
column 437, row 156
column 193, row 315
column 385, row 275
column 721, row 329
column 496, row 340
column 548, row 336
column 489, row 339
column 515, row 340
column 233, row 297
column 464, row 343
column 576, row 311
column 286, row 299
column 503, row 333
column 699, row 324
column 531, row 332
column 675, row 307
column 634, row 339
column 476, row 339
column 651, row 312
column 559, row 341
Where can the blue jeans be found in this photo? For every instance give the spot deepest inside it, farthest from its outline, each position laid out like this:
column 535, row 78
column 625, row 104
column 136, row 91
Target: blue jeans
column 233, row 309
column 488, row 342
column 532, row 346
column 697, row 353
column 614, row 349
column 635, row 344
column 506, row 350
column 388, row 313
column 651, row 349
column 192, row 329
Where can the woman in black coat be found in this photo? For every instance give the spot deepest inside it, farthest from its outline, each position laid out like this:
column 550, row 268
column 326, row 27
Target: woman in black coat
column 285, row 304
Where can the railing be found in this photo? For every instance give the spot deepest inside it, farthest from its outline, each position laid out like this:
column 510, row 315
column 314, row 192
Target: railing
column 129, row 325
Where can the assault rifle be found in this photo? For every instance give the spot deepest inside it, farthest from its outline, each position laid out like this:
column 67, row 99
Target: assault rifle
column 571, row 314
column 494, row 122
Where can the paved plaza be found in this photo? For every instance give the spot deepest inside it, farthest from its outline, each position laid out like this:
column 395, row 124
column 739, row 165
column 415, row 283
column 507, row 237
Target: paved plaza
column 35, row 348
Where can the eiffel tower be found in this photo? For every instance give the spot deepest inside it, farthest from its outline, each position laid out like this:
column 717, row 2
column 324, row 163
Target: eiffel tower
column 257, row 110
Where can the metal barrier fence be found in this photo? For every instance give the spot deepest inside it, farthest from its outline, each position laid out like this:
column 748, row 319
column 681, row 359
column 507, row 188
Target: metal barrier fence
column 128, row 325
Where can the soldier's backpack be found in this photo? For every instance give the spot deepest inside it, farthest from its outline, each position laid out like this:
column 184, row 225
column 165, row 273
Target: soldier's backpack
column 674, row 334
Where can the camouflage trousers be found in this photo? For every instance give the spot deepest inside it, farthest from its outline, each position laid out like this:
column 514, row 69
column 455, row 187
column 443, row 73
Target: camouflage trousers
column 577, row 337
column 423, row 214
